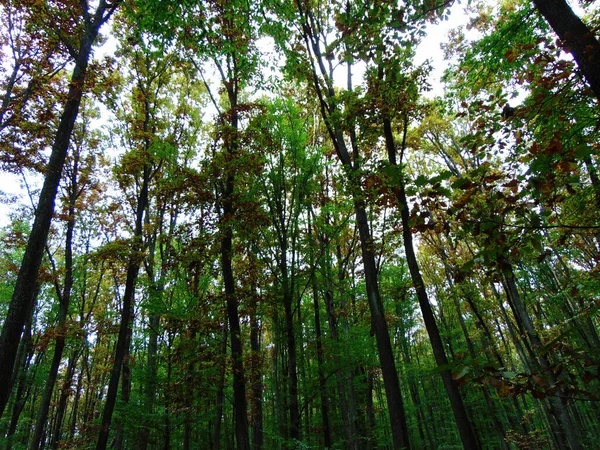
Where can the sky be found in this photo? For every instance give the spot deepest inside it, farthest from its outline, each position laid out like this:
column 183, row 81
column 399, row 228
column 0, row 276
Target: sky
column 430, row 46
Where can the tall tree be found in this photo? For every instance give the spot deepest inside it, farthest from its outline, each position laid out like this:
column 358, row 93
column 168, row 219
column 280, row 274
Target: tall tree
column 319, row 55
column 142, row 134
column 23, row 297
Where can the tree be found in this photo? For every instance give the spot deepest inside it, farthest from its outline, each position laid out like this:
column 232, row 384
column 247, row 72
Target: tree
column 318, row 69
column 577, row 38
column 23, row 297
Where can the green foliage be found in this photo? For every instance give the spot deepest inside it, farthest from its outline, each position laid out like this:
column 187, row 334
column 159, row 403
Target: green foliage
column 503, row 199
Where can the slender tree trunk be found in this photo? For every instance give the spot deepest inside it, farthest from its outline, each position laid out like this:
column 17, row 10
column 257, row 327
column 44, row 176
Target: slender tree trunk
column 23, row 382
column 351, row 167
column 122, row 347
column 498, row 426
column 239, row 384
column 189, row 382
column 350, row 431
column 150, row 387
column 64, row 395
column 42, row 417
column 167, row 414
column 257, row 383
column 348, row 372
column 64, row 300
column 120, row 355
column 416, row 400
column 468, row 437
column 220, row 392
column 320, row 363
column 237, row 353
column 125, row 388
column 371, row 441
column 292, row 357
column 23, row 297
column 277, row 377
column 386, row 355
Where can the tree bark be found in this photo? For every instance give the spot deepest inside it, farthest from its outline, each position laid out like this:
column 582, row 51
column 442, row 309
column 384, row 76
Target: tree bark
column 350, row 431
column 23, row 377
column 62, row 402
column 220, row 392
column 351, row 167
column 125, row 388
column 292, row 357
column 257, row 377
column 239, row 384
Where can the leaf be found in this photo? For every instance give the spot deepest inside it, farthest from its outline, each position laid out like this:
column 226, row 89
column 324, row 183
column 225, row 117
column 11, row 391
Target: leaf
column 421, row 180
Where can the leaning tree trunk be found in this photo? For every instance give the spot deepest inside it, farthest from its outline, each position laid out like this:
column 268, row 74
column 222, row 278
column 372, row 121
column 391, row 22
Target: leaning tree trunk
column 468, row 437
column 24, row 294
column 64, row 299
column 125, row 387
column 26, row 352
column 581, row 40
column 327, row 101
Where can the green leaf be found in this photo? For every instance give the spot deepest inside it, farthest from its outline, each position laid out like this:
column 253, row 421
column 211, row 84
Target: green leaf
column 421, row 181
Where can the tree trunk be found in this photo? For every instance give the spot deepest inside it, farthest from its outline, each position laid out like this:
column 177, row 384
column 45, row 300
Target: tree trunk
column 220, row 393
column 237, row 353
column 23, row 297
column 416, row 400
column 189, row 383
column 292, row 358
column 24, row 382
column 125, row 388
column 583, row 44
column 566, row 431
column 64, row 298
column 257, row 383
column 239, row 384
column 322, row 382
column 351, row 167
column 468, row 437
column 122, row 347
column 150, row 388
column 384, row 347
column 64, row 395
column 350, row 431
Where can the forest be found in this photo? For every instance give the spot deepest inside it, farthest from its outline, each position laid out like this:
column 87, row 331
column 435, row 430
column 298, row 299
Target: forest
column 234, row 224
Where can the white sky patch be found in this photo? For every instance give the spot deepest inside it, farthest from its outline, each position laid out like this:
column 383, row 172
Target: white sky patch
column 430, row 47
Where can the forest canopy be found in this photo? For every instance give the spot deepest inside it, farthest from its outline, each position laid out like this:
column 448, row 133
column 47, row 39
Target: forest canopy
column 254, row 225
